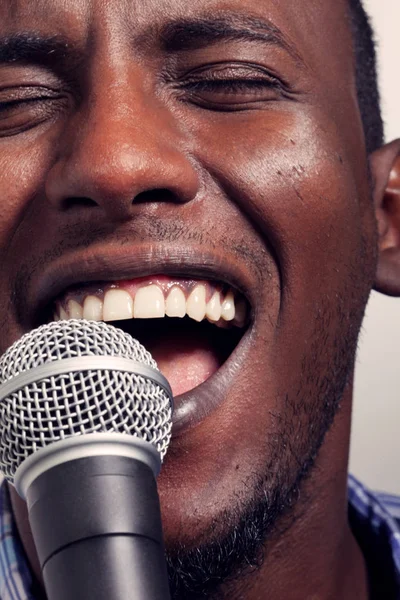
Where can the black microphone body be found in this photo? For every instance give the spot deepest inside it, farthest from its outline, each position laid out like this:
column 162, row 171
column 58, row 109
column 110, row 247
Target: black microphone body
column 97, row 529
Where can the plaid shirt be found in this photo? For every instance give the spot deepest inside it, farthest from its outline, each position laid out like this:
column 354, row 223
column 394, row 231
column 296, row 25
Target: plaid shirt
column 374, row 518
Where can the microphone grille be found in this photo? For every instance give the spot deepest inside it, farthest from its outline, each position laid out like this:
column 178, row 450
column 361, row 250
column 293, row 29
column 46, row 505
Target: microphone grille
column 49, row 407
column 68, row 339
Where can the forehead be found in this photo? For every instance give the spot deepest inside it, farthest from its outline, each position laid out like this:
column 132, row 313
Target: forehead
column 318, row 28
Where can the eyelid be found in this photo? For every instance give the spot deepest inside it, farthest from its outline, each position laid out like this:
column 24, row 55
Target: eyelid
column 12, row 96
column 23, row 108
column 233, row 82
column 229, row 70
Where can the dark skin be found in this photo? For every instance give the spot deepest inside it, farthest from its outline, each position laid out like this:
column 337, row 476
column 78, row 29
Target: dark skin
column 124, row 156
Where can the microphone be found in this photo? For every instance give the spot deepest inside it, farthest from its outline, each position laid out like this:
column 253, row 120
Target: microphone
column 85, row 421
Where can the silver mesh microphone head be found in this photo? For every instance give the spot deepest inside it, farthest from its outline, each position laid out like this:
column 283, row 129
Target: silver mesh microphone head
column 75, row 377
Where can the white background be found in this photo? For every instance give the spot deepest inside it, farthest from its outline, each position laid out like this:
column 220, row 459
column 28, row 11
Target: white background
column 375, row 452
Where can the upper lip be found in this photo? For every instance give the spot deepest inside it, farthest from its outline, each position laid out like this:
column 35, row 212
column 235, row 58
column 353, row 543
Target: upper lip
column 116, row 264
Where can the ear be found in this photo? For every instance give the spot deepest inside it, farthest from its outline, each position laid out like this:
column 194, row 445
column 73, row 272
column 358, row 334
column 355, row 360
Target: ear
column 385, row 166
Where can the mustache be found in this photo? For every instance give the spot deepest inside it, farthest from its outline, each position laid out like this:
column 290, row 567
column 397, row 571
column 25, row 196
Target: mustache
column 144, row 229
column 88, row 236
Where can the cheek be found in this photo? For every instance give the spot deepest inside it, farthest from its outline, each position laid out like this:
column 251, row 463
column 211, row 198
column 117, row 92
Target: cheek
column 296, row 185
column 24, row 164
column 23, row 167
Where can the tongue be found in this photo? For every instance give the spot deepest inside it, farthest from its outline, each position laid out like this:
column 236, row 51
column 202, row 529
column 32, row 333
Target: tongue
column 186, row 361
column 187, row 353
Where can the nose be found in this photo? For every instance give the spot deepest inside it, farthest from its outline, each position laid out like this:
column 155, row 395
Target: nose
column 122, row 152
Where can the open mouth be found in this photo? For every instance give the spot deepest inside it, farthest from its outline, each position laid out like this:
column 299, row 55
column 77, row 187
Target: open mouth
column 191, row 327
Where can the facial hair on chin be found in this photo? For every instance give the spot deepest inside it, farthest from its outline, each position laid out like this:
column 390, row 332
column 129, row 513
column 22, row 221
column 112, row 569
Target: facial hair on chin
column 221, row 565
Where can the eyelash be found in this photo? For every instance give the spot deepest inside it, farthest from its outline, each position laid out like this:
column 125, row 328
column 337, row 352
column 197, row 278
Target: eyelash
column 231, row 85
column 26, row 96
column 10, row 104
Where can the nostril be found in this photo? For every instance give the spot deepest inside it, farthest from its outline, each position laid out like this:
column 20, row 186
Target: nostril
column 156, row 195
column 152, row 195
column 69, row 203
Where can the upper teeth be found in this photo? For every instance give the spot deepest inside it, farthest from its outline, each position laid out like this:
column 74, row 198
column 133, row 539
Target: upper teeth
column 150, row 301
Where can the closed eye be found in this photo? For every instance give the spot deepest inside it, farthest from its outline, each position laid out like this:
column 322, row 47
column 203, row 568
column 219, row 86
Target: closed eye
column 25, row 107
column 231, row 86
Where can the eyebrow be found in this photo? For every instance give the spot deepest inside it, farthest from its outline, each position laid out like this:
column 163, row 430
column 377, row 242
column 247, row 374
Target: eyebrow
column 191, row 34
column 51, row 51
column 180, row 35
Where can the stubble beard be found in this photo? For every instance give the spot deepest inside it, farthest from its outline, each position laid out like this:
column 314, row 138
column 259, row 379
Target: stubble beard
column 220, row 567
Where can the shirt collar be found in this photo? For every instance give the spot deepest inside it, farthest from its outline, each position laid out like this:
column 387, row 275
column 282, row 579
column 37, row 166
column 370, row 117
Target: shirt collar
column 374, row 522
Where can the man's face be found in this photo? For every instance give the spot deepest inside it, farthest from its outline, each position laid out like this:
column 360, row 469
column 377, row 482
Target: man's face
column 202, row 141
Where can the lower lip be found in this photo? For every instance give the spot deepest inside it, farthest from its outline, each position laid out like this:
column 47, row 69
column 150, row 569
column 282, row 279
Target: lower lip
column 194, row 406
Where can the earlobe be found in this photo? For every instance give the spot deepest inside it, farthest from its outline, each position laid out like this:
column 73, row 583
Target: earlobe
column 385, row 165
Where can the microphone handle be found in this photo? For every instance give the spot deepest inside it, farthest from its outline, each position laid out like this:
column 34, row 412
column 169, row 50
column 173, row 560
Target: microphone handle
column 97, row 528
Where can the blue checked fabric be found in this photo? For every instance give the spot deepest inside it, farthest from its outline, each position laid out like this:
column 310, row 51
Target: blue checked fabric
column 374, row 518
column 15, row 577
